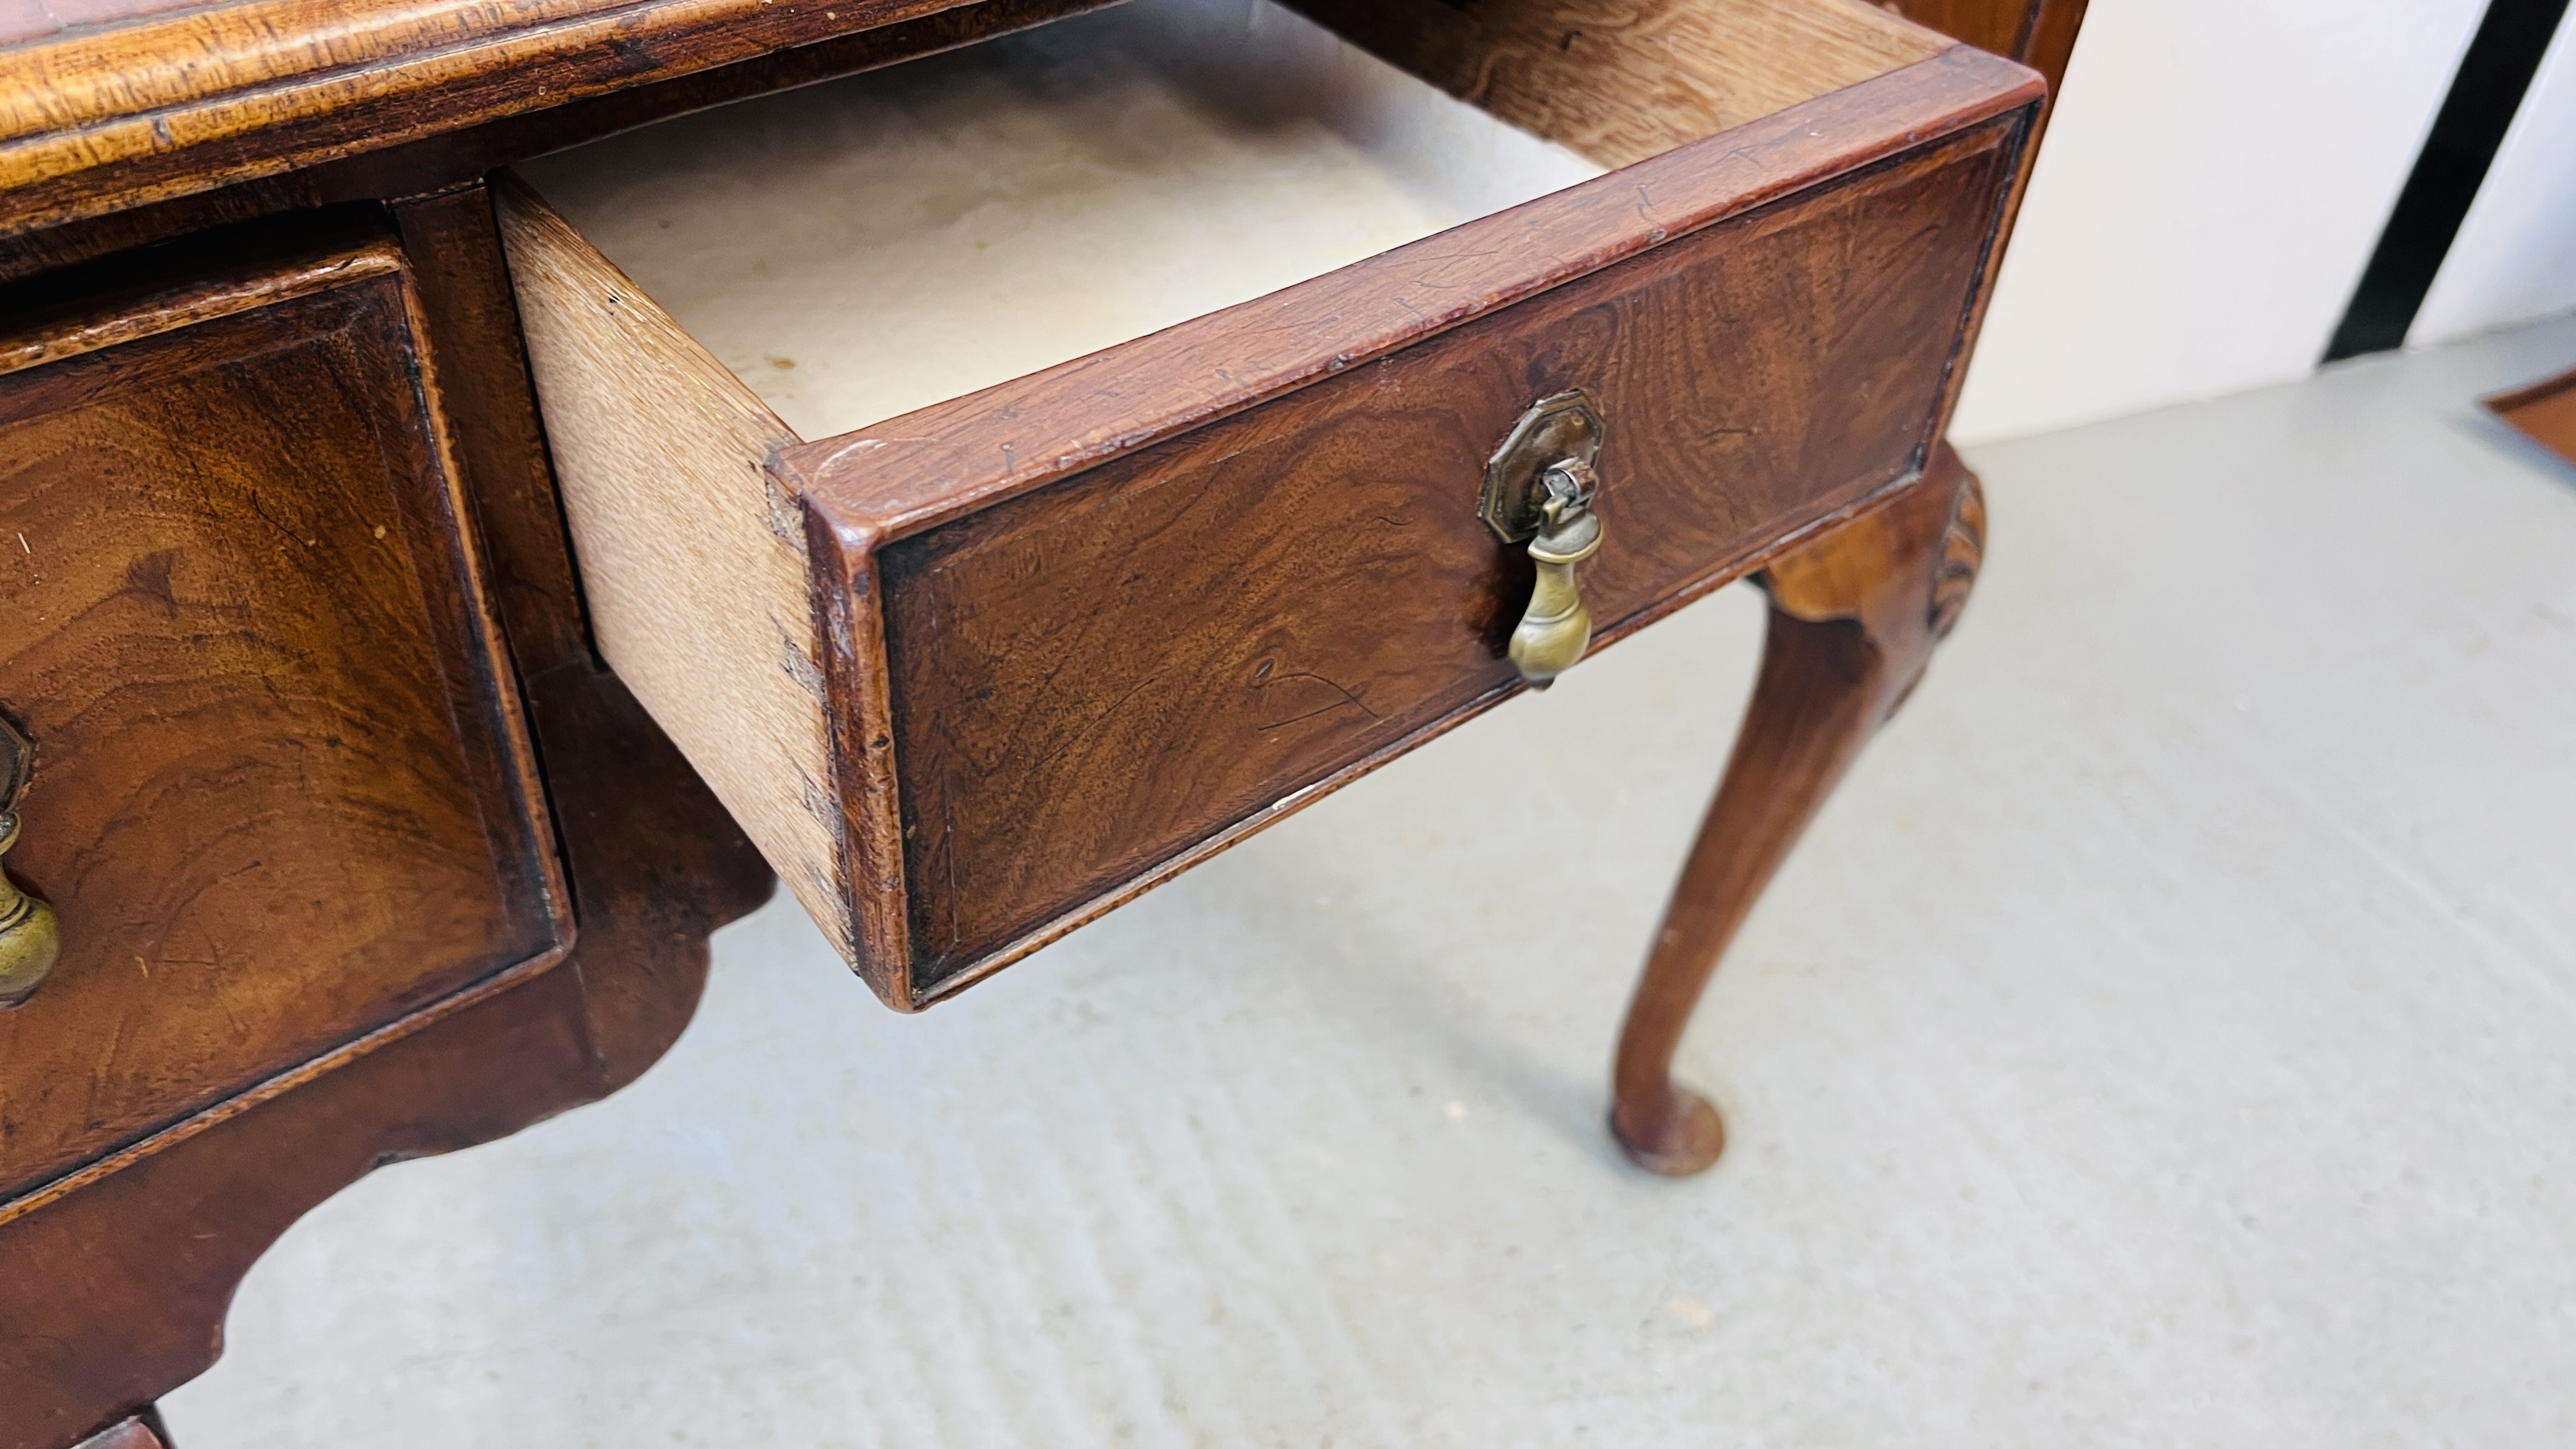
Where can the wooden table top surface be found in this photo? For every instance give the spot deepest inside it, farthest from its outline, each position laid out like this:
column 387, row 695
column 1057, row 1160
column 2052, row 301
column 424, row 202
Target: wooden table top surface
column 112, row 106
column 109, row 104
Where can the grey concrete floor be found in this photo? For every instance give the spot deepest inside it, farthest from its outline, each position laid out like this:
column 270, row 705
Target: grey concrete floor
column 2167, row 1036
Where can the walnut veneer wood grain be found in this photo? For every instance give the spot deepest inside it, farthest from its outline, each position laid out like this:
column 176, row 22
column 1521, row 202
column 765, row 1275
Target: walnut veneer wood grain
column 94, row 118
column 967, row 915
column 113, row 1283
column 127, row 121
column 115, row 1294
column 1091, row 681
column 865, row 744
column 654, row 859
column 282, row 797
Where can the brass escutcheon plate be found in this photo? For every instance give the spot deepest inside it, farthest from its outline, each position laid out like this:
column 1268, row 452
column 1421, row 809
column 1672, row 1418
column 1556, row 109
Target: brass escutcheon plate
column 17, row 754
column 1555, row 429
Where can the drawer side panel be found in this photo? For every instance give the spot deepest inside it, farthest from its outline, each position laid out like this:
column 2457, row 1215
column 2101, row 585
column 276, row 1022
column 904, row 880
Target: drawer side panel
column 692, row 554
column 1101, row 676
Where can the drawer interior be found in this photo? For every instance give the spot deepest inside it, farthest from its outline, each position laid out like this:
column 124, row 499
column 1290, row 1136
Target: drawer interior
column 857, row 250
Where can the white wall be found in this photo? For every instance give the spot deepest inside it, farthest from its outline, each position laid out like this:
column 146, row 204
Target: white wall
column 2214, row 179
column 2515, row 257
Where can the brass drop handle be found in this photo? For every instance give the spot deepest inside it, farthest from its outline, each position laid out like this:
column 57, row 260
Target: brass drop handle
column 1556, row 627
column 31, row 937
column 1539, row 487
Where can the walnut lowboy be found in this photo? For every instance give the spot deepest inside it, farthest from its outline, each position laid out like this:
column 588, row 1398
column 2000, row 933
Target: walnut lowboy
column 1318, row 390
column 976, row 674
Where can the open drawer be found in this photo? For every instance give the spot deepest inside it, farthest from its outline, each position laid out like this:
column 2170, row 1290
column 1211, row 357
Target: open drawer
column 984, row 604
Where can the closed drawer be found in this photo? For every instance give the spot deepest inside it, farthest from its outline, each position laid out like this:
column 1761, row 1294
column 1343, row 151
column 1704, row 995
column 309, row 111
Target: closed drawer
column 281, row 802
column 984, row 603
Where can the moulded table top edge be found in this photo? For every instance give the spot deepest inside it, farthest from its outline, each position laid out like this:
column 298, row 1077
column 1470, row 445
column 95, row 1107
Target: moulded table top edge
column 143, row 107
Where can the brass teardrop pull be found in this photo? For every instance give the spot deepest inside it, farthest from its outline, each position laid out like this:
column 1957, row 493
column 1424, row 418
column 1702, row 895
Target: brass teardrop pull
column 1539, row 487
column 1556, row 628
column 31, row 937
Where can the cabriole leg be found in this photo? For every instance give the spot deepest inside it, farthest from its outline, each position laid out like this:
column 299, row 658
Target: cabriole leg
column 1854, row 615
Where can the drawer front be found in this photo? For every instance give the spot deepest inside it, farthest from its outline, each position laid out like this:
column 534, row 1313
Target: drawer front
column 280, row 797
column 1101, row 677
column 974, row 674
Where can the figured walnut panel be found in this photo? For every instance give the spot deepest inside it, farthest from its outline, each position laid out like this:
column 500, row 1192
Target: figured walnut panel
column 1091, row 680
column 279, row 799
column 873, row 488
column 654, row 864
column 699, row 582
